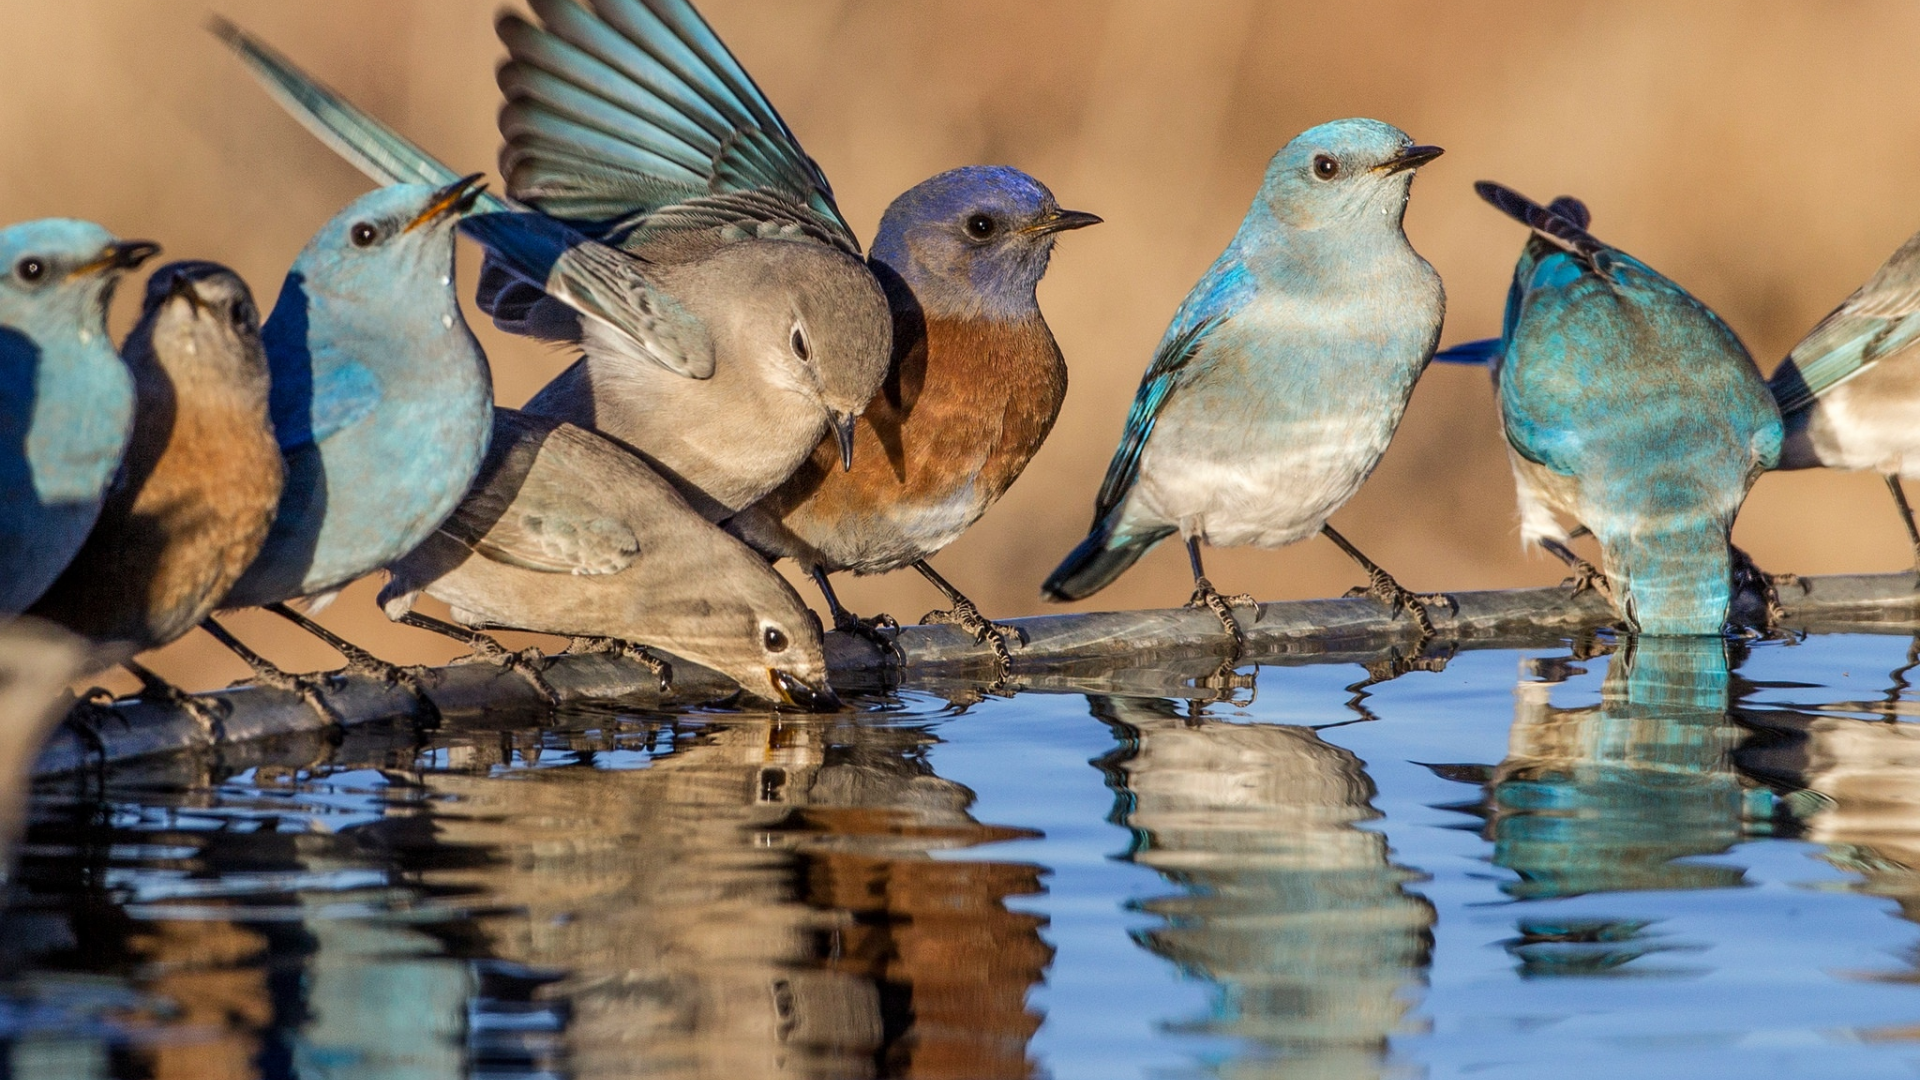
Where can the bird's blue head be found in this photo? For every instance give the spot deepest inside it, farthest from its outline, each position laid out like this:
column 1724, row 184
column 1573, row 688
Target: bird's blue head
column 376, row 250
column 973, row 242
column 58, row 275
column 1344, row 172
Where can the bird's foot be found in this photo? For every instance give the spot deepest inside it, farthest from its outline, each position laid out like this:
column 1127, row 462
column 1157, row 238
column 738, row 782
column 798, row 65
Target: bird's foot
column 414, row 678
column 89, row 715
column 310, row 689
column 1381, row 586
column 1748, row 577
column 1588, row 578
column 1206, row 596
column 882, row 631
column 208, row 712
column 530, row 664
column 626, row 650
column 993, row 635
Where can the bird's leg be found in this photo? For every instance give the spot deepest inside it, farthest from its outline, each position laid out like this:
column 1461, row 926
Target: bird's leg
column 966, row 616
column 209, row 713
column 310, row 689
column 529, row 664
column 1206, row 596
column 1586, row 576
column 626, row 650
column 359, row 661
column 877, row 630
column 1748, row 576
column 1381, row 586
column 1906, row 515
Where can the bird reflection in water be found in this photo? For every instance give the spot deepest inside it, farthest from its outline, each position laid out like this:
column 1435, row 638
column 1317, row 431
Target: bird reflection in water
column 1316, row 949
column 1623, row 796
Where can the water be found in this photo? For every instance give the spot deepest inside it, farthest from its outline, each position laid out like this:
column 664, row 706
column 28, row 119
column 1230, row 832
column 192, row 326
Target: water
column 1652, row 863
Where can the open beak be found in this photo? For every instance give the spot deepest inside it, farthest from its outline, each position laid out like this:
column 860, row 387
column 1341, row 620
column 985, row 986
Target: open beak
column 1062, row 220
column 454, row 200
column 120, row 257
column 1411, row 158
column 843, row 429
column 800, row 695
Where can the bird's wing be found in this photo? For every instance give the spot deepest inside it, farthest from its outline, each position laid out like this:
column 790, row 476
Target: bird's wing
column 1164, row 375
column 1470, row 352
column 540, row 519
column 1563, row 224
column 1875, row 322
column 598, row 281
column 339, row 392
column 635, row 108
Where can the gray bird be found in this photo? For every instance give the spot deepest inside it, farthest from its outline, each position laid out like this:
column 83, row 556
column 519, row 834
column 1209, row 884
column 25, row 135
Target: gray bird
column 792, row 332
column 566, row 533
column 201, row 477
column 1849, row 392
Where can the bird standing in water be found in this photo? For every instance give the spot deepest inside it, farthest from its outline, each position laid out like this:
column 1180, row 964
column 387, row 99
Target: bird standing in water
column 1283, row 375
column 1849, row 392
column 200, row 480
column 1631, row 408
column 66, row 399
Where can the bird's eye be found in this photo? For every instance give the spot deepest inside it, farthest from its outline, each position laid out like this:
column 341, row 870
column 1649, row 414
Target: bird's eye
column 799, row 343
column 30, row 269
column 1325, row 167
column 364, row 235
column 774, row 640
column 980, row 226
column 242, row 315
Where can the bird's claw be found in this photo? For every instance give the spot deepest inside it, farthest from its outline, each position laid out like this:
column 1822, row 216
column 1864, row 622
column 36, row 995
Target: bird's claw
column 1206, row 596
column 529, row 663
column 993, row 635
column 1381, row 586
column 627, row 650
column 881, row 630
column 1588, row 578
column 309, row 688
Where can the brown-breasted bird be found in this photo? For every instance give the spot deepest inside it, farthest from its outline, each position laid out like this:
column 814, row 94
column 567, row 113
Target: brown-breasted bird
column 200, row 480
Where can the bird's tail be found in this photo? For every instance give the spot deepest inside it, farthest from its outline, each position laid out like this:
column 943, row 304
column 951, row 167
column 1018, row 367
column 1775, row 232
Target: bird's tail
column 1100, row 558
column 1674, row 582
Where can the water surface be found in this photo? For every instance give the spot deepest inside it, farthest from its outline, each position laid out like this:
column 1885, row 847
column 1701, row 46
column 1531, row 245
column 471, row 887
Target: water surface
column 1662, row 861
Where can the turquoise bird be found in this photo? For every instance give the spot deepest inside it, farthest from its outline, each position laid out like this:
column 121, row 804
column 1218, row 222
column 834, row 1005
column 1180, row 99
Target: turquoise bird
column 1283, row 375
column 1850, row 390
column 66, row 399
column 1631, row 408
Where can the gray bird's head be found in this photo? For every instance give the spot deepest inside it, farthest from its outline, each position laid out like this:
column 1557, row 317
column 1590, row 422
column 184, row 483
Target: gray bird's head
column 57, row 275
column 1344, row 171
column 752, row 628
column 973, row 242
column 813, row 316
column 200, row 319
column 386, row 244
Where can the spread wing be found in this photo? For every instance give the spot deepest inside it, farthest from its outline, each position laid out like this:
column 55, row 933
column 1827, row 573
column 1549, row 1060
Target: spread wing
column 1877, row 321
column 634, row 112
column 539, row 519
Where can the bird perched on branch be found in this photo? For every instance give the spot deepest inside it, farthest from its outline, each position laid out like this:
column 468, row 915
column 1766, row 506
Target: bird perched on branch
column 567, row 533
column 726, row 325
column 200, row 480
column 381, row 402
column 1283, row 375
column 66, row 399
column 1631, row 408
column 1849, row 392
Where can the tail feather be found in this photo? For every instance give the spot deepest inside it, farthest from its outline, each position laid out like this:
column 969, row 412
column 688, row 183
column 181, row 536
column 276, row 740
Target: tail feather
column 1672, row 583
column 1098, row 560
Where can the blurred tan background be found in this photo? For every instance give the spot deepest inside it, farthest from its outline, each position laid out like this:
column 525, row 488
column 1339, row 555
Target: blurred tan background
column 1766, row 155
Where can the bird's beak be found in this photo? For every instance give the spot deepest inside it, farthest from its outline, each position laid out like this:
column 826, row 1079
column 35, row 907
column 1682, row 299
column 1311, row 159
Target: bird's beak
column 454, row 200
column 182, row 289
column 1411, row 158
column 843, row 428
column 1058, row 220
column 798, row 694
column 123, row 256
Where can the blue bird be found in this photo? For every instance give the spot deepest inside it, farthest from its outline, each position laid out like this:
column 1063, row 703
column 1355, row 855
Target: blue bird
column 1849, row 392
column 66, row 399
column 1631, row 408
column 381, row 400
column 717, row 294
column 1283, row 375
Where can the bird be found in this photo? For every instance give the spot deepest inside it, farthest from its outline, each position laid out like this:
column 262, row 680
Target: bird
column 1632, row 408
column 37, row 660
column 200, row 480
column 565, row 532
column 757, row 267
column 1282, row 377
column 66, row 398
column 381, row 402
column 1849, row 392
